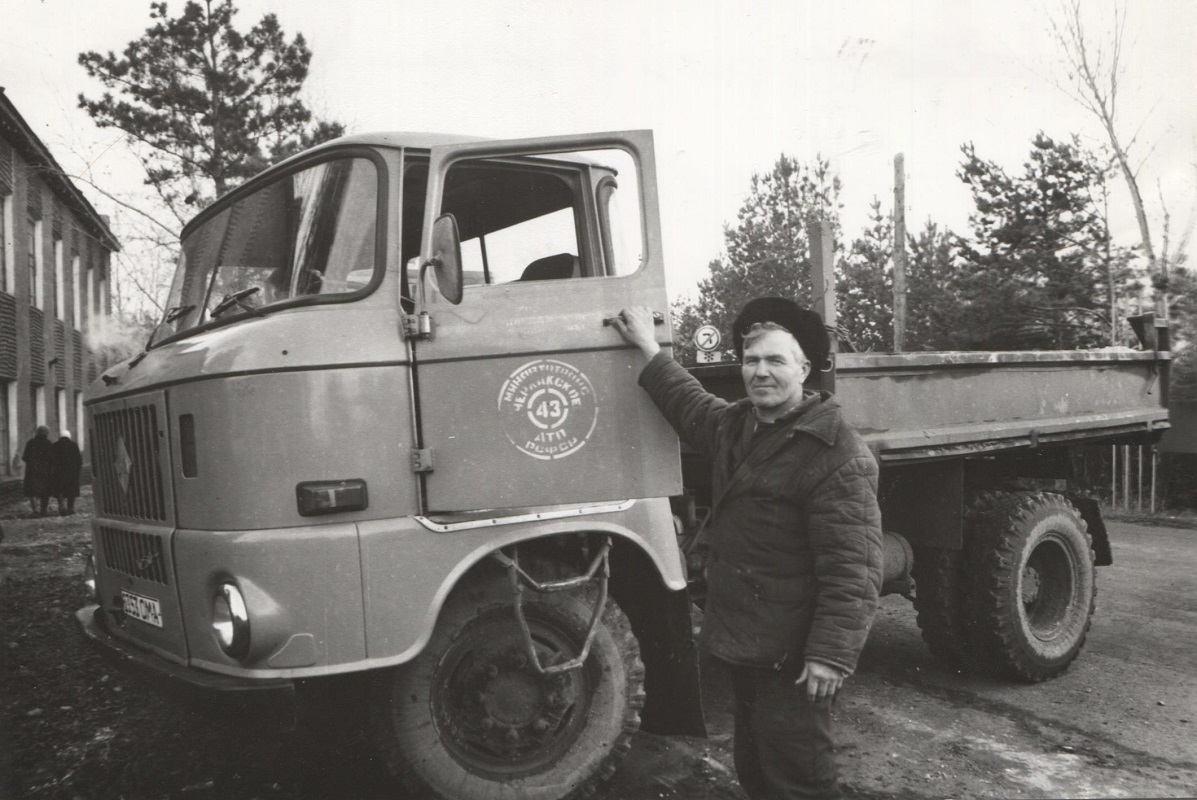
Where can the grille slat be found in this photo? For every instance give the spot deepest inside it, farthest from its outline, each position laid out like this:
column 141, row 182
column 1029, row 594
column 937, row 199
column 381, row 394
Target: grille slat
column 138, row 555
column 127, row 447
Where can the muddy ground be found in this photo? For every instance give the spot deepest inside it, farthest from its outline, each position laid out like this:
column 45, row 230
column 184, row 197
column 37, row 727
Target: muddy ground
column 73, row 728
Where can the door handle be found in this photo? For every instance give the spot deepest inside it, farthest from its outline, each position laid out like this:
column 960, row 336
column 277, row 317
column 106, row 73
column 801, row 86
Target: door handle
column 658, row 319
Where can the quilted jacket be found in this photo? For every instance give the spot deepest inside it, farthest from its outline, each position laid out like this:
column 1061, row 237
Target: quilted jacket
column 794, row 569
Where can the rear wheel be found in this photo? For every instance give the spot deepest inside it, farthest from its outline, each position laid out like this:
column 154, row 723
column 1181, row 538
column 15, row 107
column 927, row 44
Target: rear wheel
column 940, row 575
column 939, row 603
column 472, row 719
column 1032, row 586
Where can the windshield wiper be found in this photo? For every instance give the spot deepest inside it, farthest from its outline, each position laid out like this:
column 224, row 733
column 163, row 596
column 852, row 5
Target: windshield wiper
column 236, row 299
column 172, row 313
column 177, row 311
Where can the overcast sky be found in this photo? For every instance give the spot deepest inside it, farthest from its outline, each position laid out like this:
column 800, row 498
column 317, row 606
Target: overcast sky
column 725, row 86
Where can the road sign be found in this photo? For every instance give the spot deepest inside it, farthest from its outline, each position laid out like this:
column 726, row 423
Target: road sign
column 707, row 338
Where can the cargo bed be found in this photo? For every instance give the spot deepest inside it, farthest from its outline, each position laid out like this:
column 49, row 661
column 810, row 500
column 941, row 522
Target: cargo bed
column 915, row 406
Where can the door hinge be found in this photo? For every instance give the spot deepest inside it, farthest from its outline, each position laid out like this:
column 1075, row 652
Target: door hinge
column 421, row 460
column 417, row 326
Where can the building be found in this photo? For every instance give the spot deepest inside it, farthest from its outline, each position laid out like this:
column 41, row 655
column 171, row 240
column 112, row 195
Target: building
column 55, row 255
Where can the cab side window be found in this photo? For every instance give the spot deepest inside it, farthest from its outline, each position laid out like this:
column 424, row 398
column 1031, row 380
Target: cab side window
column 532, row 219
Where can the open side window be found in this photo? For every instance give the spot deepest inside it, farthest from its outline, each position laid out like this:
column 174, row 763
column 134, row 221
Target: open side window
column 521, row 220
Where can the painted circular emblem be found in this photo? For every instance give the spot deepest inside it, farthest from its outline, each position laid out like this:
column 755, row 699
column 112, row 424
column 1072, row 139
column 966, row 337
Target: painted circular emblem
column 548, row 409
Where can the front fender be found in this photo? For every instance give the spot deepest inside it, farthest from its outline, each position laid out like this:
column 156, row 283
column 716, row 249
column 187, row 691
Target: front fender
column 409, row 569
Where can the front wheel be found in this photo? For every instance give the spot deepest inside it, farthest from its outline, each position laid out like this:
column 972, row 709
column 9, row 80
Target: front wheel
column 1032, row 589
column 471, row 719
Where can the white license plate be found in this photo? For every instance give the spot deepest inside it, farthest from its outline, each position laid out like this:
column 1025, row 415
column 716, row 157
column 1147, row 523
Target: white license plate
column 146, row 609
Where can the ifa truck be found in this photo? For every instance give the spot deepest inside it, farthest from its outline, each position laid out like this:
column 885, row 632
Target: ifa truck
column 385, row 431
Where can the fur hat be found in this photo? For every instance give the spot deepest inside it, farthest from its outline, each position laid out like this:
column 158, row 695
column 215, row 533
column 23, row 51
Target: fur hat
column 806, row 326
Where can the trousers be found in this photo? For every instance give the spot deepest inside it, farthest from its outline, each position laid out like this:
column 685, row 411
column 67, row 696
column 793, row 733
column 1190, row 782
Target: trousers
column 783, row 747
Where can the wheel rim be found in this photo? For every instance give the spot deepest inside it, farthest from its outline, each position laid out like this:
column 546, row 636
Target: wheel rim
column 494, row 713
column 1048, row 587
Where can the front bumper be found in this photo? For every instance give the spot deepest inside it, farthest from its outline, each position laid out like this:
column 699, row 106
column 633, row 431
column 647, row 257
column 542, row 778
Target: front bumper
column 275, row 693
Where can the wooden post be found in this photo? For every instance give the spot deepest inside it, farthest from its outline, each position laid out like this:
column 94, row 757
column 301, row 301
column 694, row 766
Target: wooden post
column 822, row 278
column 899, row 253
column 1126, row 473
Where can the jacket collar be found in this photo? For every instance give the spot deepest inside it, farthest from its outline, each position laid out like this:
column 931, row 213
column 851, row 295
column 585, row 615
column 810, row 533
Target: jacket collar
column 816, row 415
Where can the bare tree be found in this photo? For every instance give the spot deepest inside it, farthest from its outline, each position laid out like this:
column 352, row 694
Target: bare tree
column 1096, row 68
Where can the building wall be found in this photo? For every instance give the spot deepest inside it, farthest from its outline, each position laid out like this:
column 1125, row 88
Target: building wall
column 45, row 362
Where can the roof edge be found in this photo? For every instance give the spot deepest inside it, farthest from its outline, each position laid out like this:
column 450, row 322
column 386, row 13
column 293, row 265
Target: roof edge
column 33, row 148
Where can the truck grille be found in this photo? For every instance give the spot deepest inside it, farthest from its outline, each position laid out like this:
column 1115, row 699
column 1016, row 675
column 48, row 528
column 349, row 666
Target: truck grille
column 138, row 555
column 127, row 465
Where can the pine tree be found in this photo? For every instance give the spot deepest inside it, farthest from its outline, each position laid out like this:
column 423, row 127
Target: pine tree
column 767, row 250
column 205, row 105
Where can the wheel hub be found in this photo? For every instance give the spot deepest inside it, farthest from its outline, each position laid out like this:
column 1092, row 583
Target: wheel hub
column 1030, row 585
column 496, row 711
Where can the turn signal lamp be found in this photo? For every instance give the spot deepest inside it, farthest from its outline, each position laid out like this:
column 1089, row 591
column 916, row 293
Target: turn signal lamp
column 330, row 497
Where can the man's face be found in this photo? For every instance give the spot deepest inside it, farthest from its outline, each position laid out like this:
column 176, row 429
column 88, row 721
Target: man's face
column 774, row 368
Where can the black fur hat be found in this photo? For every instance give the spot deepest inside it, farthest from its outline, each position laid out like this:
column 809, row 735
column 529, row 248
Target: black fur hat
column 806, row 325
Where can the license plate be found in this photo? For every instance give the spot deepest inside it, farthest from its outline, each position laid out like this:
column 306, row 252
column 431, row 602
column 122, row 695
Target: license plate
column 146, row 609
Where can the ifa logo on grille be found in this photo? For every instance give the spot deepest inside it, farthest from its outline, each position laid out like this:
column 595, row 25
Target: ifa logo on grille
column 122, row 464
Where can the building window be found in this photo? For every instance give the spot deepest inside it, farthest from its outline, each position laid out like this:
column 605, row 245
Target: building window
column 5, row 431
column 91, row 292
column 59, row 280
column 76, row 291
column 36, row 267
column 32, row 263
column 37, row 404
column 80, row 428
column 6, row 234
column 60, row 410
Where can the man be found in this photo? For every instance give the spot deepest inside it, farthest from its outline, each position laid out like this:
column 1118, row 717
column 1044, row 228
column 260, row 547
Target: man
column 794, row 569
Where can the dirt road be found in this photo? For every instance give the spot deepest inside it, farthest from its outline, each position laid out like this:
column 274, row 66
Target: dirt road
column 1120, row 723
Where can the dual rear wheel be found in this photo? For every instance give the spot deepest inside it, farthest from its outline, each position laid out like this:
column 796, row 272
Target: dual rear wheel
column 1018, row 600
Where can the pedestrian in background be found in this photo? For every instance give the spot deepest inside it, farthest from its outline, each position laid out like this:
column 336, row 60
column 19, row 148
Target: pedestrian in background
column 66, row 462
column 37, row 470
column 794, row 569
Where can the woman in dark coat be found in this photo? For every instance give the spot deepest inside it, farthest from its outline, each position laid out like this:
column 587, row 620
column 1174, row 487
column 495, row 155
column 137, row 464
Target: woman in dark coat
column 66, row 462
column 37, row 470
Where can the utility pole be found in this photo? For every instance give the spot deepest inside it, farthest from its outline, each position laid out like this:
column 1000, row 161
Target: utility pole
column 822, row 269
column 899, row 253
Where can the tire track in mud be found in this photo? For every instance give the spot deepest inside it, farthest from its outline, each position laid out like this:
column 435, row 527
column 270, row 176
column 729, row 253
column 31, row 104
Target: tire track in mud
column 957, row 744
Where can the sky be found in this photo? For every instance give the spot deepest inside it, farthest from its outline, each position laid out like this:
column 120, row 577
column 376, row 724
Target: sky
column 726, row 87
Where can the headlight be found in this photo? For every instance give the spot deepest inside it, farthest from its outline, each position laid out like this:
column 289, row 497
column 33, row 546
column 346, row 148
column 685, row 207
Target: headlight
column 230, row 620
column 89, row 577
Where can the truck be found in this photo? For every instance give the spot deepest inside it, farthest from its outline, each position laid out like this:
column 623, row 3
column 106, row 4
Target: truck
column 386, row 433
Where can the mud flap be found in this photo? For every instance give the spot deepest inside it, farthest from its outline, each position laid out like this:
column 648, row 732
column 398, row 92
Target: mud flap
column 1091, row 513
column 673, row 705
column 661, row 621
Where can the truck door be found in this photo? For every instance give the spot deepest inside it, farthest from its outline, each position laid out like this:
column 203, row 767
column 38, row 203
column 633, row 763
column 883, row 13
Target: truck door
column 525, row 396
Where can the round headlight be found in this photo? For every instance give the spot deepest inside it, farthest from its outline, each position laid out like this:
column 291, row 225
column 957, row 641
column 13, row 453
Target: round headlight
column 230, row 620
column 89, row 577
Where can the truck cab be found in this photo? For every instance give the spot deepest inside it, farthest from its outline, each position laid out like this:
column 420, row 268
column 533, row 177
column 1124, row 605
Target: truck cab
column 384, row 429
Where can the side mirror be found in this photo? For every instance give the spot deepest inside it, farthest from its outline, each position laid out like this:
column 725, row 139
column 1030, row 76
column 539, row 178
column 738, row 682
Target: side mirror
column 445, row 258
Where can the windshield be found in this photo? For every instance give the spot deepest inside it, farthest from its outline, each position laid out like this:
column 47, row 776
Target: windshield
column 310, row 232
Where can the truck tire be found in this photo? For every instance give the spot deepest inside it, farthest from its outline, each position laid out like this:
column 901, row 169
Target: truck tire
column 939, row 595
column 939, row 603
column 471, row 719
column 1031, row 596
